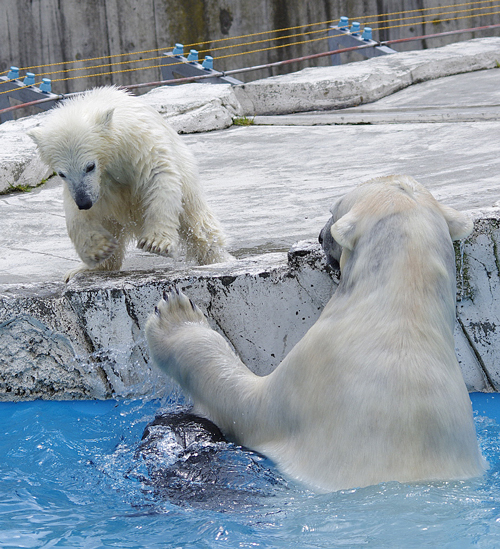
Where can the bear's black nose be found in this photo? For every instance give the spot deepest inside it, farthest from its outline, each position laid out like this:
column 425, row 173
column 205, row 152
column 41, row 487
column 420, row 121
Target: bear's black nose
column 83, row 202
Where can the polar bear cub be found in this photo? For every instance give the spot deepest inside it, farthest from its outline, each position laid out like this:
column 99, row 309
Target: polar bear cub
column 127, row 174
column 373, row 392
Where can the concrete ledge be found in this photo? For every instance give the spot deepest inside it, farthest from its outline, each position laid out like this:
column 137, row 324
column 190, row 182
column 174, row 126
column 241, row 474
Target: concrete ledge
column 86, row 339
column 363, row 82
column 193, row 108
column 478, row 309
column 19, row 162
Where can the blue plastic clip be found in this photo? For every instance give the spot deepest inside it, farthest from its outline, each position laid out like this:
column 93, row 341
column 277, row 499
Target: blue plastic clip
column 367, row 34
column 193, row 56
column 343, row 23
column 208, row 63
column 29, row 79
column 178, row 50
column 355, row 28
column 46, row 85
column 13, row 73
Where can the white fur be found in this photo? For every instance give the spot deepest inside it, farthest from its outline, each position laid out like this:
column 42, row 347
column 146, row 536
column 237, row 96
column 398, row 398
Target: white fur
column 373, row 392
column 132, row 175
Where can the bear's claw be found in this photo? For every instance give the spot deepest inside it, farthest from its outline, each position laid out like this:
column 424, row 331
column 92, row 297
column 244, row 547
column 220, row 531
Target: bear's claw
column 157, row 245
column 175, row 307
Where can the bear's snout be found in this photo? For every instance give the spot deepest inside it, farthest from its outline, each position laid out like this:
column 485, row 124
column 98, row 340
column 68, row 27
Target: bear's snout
column 83, row 201
column 331, row 249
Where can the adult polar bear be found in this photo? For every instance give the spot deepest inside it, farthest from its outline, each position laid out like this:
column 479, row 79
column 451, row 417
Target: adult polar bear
column 373, row 392
column 127, row 174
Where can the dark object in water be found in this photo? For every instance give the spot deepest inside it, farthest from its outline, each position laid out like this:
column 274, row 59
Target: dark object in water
column 188, row 428
column 188, row 461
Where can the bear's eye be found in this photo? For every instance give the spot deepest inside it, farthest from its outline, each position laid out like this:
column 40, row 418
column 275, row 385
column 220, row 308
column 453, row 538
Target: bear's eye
column 61, row 175
column 90, row 167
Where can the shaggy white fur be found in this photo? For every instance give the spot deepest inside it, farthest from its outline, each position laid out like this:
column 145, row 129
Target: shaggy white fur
column 127, row 174
column 373, row 392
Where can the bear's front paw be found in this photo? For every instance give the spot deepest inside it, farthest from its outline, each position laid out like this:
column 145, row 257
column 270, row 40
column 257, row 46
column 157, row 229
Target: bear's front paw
column 176, row 308
column 158, row 244
column 100, row 246
column 176, row 327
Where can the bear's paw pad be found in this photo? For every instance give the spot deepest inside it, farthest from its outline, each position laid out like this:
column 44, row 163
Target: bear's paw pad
column 177, row 308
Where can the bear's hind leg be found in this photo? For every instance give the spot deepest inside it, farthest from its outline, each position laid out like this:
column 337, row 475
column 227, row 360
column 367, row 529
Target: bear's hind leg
column 201, row 230
column 205, row 242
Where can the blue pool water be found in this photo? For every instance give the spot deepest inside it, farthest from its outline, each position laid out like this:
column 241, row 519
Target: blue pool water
column 71, row 476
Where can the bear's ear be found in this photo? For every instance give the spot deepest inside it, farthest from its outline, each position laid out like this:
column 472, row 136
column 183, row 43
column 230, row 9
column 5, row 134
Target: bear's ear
column 37, row 135
column 460, row 225
column 103, row 119
column 344, row 230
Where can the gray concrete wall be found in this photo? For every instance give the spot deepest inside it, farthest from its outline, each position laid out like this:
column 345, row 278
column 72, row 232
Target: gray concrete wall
column 36, row 32
column 86, row 339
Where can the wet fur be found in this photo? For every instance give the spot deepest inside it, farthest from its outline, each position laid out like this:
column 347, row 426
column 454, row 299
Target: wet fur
column 127, row 176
